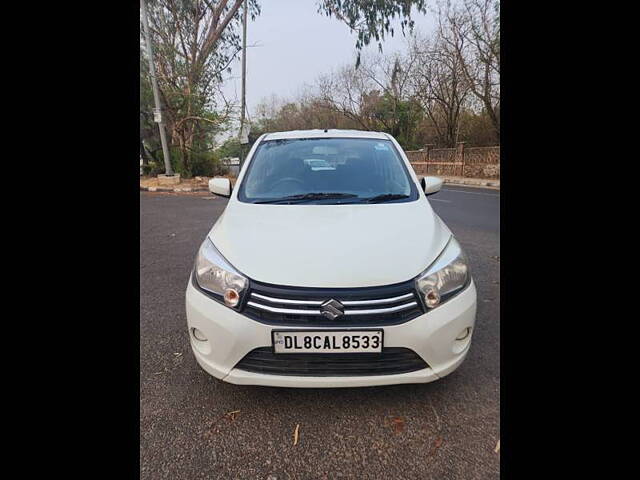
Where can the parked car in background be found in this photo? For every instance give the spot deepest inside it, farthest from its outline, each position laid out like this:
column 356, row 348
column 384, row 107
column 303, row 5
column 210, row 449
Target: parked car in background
column 331, row 273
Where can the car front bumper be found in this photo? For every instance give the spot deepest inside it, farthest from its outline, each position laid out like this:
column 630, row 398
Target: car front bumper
column 230, row 336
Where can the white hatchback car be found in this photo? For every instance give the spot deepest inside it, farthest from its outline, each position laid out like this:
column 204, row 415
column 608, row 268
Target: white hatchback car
column 332, row 277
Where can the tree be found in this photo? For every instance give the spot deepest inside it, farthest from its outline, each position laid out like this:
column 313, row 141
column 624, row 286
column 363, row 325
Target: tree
column 442, row 90
column 231, row 148
column 375, row 95
column 308, row 111
column 440, row 86
column 420, row 96
column 472, row 30
column 397, row 110
column 371, row 19
column 195, row 42
column 350, row 92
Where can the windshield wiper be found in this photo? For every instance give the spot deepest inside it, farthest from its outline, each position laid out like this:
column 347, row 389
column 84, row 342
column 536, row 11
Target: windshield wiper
column 309, row 197
column 386, row 197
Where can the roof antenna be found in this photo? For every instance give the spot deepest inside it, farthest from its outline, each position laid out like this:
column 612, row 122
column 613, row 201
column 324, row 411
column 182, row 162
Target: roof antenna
column 326, row 130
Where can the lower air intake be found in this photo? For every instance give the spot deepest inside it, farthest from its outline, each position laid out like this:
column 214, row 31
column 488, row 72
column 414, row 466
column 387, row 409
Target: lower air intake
column 392, row 360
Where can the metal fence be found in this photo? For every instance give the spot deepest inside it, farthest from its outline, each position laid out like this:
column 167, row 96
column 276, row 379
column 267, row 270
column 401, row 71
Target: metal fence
column 462, row 161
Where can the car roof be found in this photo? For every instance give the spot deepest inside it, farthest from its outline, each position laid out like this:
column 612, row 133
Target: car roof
column 327, row 133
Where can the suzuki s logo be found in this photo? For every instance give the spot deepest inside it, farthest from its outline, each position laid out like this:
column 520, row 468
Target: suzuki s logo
column 331, row 309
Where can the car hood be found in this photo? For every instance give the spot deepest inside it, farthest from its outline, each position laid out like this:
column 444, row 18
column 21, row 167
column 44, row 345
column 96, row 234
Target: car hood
column 330, row 245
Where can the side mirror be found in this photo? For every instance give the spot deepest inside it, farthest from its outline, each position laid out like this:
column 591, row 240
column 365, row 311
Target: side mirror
column 220, row 186
column 431, row 185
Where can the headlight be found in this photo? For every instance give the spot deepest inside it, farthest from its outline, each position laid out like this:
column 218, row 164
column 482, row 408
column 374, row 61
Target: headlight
column 445, row 277
column 214, row 274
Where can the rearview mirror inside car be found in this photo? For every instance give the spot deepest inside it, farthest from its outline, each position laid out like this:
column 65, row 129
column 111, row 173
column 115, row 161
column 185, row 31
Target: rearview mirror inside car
column 220, row 186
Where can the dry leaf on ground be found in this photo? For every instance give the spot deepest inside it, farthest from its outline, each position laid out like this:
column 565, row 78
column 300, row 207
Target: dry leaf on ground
column 436, row 445
column 213, row 428
column 232, row 415
column 397, row 423
column 497, row 449
column 295, row 434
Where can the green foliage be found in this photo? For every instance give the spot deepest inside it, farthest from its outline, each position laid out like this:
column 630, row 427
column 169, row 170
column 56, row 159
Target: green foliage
column 230, row 148
column 399, row 117
column 477, row 130
column 201, row 163
column 207, row 165
column 371, row 19
column 443, row 90
column 404, row 118
column 192, row 67
column 194, row 43
column 152, row 169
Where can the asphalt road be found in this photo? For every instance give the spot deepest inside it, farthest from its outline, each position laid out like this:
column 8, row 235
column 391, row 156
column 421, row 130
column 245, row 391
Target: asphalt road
column 447, row 429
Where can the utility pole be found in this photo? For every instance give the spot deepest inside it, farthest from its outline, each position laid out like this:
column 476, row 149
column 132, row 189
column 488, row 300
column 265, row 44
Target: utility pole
column 244, row 80
column 157, row 114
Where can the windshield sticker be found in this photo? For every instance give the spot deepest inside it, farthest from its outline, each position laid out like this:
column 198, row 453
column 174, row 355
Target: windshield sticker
column 381, row 146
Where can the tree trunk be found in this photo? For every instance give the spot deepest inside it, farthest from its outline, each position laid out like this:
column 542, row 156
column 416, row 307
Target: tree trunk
column 494, row 118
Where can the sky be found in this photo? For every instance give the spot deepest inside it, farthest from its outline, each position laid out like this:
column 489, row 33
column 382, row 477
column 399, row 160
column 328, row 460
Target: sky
column 290, row 45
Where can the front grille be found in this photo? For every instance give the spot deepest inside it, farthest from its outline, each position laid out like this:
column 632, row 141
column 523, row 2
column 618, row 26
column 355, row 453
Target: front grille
column 392, row 360
column 297, row 306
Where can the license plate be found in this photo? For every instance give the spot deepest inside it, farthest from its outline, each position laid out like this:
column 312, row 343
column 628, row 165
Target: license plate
column 328, row 341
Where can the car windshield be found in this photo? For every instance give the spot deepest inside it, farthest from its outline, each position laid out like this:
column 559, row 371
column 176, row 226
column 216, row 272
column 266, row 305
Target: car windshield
column 327, row 171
